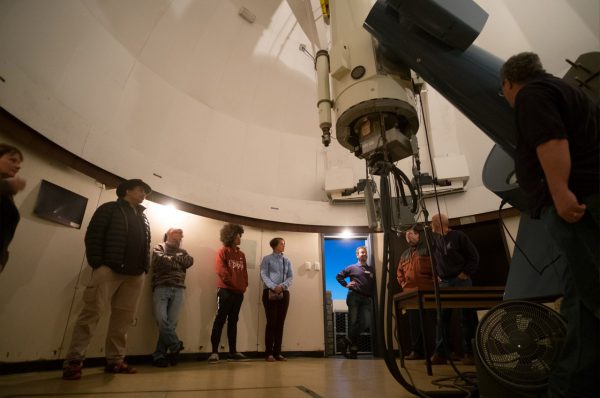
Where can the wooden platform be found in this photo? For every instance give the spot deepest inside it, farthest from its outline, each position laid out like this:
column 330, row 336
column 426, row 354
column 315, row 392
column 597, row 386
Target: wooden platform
column 476, row 297
column 480, row 297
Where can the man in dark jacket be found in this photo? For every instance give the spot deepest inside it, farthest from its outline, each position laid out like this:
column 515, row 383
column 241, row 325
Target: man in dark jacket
column 10, row 164
column 456, row 259
column 117, row 244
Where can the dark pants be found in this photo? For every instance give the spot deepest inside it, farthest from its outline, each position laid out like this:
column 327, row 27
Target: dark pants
column 416, row 337
column 467, row 322
column 275, row 310
column 577, row 372
column 229, row 304
column 360, row 309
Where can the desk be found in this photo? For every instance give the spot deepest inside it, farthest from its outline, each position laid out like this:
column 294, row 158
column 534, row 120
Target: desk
column 477, row 297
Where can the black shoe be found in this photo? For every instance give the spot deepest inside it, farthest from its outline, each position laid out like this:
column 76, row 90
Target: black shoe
column 438, row 359
column 161, row 362
column 345, row 344
column 173, row 357
column 468, row 360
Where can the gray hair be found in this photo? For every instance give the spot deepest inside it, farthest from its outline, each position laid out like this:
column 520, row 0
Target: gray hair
column 522, row 67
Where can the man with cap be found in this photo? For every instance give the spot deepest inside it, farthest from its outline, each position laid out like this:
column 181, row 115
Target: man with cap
column 117, row 244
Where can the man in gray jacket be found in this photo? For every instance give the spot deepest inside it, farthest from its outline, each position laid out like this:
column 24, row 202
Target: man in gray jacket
column 117, row 244
column 169, row 264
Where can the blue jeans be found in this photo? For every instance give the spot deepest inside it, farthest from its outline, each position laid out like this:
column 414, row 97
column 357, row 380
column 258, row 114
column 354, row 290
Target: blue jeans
column 577, row 370
column 167, row 304
column 467, row 322
column 360, row 309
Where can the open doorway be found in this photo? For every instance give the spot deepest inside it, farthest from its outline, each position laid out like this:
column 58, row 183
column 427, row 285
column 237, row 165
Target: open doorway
column 339, row 251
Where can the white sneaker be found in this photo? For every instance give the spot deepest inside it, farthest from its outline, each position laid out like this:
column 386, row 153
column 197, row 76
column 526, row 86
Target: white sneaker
column 237, row 356
column 213, row 358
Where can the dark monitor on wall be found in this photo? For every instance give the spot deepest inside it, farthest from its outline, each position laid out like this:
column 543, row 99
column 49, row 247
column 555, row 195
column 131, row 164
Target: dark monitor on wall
column 60, row 205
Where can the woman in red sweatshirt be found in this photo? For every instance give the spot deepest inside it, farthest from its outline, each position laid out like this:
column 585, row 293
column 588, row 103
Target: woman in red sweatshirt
column 232, row 281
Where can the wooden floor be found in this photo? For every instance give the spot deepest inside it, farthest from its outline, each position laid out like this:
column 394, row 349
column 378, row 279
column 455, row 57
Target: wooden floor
column 365, row 377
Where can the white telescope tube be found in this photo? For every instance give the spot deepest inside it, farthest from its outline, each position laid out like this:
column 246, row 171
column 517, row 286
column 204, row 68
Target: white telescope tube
column 324, row 95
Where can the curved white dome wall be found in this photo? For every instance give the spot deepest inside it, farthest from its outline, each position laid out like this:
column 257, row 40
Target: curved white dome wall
column 224, row 111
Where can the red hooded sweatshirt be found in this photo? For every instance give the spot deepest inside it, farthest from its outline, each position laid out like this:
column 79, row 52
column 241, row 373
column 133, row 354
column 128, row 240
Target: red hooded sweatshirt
column 230, row 266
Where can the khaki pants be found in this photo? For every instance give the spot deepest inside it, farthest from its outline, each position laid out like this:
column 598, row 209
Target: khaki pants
column 122, row 293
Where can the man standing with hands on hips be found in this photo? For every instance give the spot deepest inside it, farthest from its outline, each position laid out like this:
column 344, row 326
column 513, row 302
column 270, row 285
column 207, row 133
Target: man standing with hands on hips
column 360, row 297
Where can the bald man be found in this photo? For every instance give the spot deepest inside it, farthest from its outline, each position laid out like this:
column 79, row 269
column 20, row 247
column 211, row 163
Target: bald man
column 169, row 265
column 456, row 259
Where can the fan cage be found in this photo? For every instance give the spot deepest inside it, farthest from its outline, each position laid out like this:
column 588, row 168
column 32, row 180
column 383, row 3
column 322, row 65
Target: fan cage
column 519, row 342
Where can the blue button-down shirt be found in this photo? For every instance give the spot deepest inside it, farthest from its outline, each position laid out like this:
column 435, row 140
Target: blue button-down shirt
column 276, row 269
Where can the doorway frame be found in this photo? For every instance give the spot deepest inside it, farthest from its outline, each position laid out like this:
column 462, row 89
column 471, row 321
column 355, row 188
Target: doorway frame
column 368, row 237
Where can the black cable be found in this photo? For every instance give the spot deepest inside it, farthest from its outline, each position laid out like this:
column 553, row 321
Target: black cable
column 386, row 302
column 529, row 262
column 429, row 240
column 385, row 309
column 400, row 176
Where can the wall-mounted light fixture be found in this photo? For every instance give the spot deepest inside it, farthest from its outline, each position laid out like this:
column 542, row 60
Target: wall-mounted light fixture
column 247, row 14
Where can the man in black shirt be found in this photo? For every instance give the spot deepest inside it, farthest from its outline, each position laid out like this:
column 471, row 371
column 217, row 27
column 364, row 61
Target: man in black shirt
column 558, row 166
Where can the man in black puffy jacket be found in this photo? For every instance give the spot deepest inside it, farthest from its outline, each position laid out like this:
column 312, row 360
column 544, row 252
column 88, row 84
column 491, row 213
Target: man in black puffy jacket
column 117, row 244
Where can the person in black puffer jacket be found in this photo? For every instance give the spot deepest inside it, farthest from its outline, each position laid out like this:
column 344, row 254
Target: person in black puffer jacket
column 117, row 244
column 10, row 184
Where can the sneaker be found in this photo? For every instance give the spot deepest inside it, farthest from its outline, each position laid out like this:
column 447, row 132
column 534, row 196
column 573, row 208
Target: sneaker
column 119, row 367
column 280, row 358
column 161, row 362
column 237, row 356
column 72, row 370
column 270, row 358
column 213, row 358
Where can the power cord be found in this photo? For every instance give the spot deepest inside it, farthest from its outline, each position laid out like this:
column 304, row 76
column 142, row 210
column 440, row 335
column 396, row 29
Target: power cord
column 529, row 262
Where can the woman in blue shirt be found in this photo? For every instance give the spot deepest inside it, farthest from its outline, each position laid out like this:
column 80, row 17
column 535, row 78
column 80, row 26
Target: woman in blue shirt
column 276, row 274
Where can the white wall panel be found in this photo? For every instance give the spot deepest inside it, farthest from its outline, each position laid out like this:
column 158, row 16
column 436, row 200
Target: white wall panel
column 122, row 84
column 42, row 285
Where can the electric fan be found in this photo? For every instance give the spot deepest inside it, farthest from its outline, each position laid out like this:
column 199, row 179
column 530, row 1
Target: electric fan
column 517, row 344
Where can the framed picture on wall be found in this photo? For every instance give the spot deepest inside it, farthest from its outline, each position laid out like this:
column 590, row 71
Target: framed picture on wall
column 60, row 205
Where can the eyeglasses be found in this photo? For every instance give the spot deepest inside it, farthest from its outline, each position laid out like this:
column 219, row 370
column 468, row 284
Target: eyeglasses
column 500, row 90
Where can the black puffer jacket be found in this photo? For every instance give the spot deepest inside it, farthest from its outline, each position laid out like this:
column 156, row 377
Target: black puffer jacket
column 9, row 218
column 106, row 237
